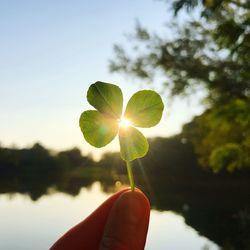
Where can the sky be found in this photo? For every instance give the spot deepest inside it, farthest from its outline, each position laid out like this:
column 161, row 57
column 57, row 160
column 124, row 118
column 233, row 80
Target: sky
column 51, row 51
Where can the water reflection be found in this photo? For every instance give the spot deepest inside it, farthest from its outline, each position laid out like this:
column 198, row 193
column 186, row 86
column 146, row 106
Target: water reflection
column 30, row 225
column 26, row 224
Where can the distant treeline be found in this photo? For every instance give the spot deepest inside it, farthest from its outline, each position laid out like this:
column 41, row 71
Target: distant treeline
column 170, row 161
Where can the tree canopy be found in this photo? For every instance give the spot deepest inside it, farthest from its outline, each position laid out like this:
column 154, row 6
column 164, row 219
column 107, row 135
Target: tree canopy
column 221, row 136
column 212, row 52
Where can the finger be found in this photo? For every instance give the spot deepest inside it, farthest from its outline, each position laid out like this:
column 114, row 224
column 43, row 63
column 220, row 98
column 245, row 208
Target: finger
column 87, row 234
column 127, row 223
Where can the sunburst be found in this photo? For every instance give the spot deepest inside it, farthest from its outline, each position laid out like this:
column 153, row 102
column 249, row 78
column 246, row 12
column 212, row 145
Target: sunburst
column 124, row 123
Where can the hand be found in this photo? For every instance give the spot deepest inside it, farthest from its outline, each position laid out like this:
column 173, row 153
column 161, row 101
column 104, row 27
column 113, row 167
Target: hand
column 120, row 223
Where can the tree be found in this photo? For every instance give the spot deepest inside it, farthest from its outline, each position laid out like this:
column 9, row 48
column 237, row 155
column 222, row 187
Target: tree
column 212, row 53
column 221, row 136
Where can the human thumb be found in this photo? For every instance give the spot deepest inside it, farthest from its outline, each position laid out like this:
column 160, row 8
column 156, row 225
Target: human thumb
column 127, row 224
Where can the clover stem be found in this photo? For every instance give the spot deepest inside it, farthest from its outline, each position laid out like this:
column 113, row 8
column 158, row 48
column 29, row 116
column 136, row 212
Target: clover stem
column 130, row 175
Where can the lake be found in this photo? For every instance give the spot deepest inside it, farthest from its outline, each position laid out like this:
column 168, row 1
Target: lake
column 35, row 225
column 43, row 195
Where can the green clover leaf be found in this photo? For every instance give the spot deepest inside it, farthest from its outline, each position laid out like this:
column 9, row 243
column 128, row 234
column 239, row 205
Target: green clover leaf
column 98, row 129
column 133, row 144
column 144, row 109
column 100, row 126
column 106, row 98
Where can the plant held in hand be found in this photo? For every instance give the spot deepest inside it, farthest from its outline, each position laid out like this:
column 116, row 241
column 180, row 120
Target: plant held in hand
column 100, row 126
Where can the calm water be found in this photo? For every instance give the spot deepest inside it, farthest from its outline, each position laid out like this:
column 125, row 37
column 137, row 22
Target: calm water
column 35, row 225
column 192, row 208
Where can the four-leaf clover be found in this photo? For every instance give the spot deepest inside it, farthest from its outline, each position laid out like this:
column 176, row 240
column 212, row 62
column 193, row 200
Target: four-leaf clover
column 100, row 126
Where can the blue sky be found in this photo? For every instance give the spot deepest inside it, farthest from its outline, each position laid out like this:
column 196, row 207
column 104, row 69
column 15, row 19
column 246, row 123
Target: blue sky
column 51, row 51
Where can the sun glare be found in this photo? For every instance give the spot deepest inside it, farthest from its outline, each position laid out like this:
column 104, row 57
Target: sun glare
column 124, row 123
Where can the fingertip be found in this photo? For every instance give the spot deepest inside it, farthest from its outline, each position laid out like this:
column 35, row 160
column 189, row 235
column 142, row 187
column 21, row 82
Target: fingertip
column 127, row 224
column 135, row 199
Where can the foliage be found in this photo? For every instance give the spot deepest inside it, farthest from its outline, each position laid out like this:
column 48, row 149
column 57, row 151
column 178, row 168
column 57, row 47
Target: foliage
column 229, row 156
column 212, row 53
column 221, row 136
column 144, row 109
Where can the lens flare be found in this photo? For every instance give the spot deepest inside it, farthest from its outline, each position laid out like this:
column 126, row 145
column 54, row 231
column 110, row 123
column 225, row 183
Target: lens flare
column 124, row 123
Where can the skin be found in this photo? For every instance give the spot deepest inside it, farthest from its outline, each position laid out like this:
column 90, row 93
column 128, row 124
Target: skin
column 120, row 223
